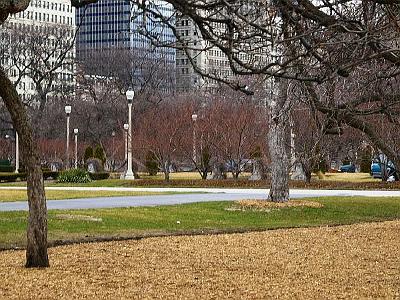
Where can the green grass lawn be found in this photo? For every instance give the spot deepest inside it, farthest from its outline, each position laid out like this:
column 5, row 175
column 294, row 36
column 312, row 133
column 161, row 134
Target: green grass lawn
column 207, row 217
column 20, row 195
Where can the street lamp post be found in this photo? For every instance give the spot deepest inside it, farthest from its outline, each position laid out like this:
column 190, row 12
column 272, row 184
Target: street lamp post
column 68, row 112
column 126, row 127
column 16, row 152
column 129, row 96
column 194, row 118
column 9, row 150
column 113, row 151
column 76, row 131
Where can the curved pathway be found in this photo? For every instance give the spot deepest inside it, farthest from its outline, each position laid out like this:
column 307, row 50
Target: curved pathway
column 197, row 195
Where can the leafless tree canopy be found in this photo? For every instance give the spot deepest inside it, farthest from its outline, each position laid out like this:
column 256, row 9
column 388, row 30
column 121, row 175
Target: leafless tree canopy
column 326, row 38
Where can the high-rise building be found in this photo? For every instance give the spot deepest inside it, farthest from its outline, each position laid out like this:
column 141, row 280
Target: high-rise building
column 112, row 25
column 32, row 52
column 199, row 64
column 209, row 60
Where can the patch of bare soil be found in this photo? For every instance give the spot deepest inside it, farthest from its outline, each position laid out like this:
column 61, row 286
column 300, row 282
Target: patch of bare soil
column 263, row 205
column 357, row 261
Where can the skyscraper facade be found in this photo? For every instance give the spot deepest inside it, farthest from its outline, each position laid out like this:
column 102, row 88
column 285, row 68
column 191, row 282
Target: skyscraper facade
column 207, row 59
column 113, row 25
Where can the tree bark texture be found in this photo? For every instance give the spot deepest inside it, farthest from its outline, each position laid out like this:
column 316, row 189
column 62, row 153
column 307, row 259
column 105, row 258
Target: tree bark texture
column 167, row 166
column 36, row 251
column 277, row 141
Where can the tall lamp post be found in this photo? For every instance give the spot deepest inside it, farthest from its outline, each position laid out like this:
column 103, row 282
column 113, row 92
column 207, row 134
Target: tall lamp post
column 113, row 151
column 194, row 118
column 76, row 131
column 126, row 127
column 16, row 152
column 8, row 146
column 129, row 96
column 68, row 112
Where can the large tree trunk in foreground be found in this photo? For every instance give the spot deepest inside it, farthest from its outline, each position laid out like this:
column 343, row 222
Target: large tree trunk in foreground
column 277, row 142
column 36, row 251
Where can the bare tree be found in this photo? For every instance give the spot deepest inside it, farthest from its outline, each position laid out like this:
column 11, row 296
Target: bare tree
column 234, row 127
column 152, row 76
column 309, row 41
column 161, row 130
column 40, row 61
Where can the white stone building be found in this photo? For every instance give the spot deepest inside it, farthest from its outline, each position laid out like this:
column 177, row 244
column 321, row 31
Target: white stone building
column 52, row 23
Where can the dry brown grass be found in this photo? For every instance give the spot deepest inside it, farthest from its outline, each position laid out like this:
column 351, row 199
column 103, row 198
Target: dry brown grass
column 357, row 261
column 263, row 205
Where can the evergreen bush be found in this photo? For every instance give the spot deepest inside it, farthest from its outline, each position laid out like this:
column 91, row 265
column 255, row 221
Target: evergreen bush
column 74, row 176
column 88, row 153
column 151, row 163
column 100, row 154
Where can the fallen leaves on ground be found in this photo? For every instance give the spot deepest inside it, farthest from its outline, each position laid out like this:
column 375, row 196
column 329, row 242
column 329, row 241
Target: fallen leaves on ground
column 263, row 205
column 355, row 261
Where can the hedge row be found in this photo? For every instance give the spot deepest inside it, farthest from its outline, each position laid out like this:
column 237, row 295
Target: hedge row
column 243, row 183
column 12, row 177
column 99, row 175
column 6, row 169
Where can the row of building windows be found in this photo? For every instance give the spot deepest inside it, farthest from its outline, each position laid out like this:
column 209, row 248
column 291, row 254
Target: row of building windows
column 184, row 22
column 13, row 72
column 218, row 63
column 185, row 32
column 114, row 14
column 51, row 5
column 38, row 16
column 217, row 53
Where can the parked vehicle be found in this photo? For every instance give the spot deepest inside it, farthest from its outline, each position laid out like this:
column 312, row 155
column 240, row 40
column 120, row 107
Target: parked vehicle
column 348, row 168
column 376, row 171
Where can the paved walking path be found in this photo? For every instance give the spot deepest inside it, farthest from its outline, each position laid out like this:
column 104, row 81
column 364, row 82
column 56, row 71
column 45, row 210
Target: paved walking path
column 204, row 195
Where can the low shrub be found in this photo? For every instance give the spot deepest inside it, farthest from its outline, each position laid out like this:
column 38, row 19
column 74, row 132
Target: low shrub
column 99, row 175
column 6, row 169
column 50, row 174
column 74, row 176
column 12, row 177
column 9, row 177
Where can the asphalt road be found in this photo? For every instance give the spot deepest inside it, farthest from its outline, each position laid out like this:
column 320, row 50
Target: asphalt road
column 203, row 195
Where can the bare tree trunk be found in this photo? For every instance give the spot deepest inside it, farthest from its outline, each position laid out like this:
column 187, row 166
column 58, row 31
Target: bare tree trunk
column 307, row 174
column 277, row 142
column 167, row 165
column 217, row 171
column 36, row 251
column 166, row 175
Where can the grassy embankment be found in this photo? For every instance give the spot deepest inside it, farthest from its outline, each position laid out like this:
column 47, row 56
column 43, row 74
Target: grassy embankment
column 196, row 218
